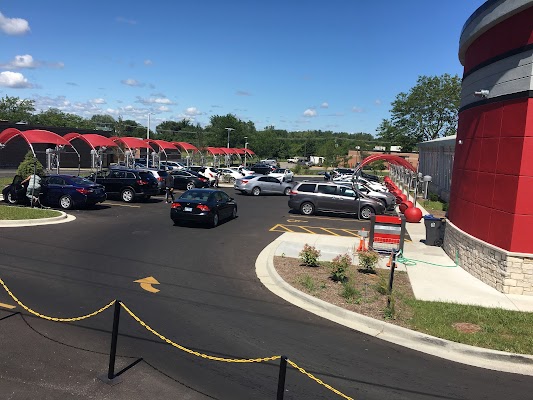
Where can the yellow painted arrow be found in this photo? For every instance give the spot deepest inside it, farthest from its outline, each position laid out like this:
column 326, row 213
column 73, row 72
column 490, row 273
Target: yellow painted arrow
column 146, row 284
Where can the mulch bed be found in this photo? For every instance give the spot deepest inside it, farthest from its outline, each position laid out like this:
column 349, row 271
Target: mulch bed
column 316, row 282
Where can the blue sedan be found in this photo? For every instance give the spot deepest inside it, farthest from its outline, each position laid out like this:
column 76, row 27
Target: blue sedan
column 65, row 191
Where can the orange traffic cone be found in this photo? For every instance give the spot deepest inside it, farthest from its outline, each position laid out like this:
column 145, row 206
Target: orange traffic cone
column 362, row 243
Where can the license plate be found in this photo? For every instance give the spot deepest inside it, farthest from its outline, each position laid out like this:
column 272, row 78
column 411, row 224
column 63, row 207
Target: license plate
column 189, row 209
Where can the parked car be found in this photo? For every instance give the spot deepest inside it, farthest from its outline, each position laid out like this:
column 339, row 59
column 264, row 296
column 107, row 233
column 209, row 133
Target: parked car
column 271, row 162
column 261, row 184
column 262, row 169
column 203, row 205
column 283, row 174
column 172, row 165
column 311, row 197
column 159, row 175
column 208, row 172
column 188, row 180
column 243, row 170
column 231, row 173
column 65, row 191
column 128, row 184
column 388, row 199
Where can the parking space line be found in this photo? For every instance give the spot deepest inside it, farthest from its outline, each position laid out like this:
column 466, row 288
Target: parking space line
column 122, row 205
column 330, row 232
column 308, row 231
column 8, row 306
column 283, row 228
column 351, row 232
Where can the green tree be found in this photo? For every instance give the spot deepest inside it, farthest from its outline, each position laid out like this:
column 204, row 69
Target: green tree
column 54, row 117
column 29, row 165
column 218, row 125
column 14, row 109
column 429, row 111
column 103, row 122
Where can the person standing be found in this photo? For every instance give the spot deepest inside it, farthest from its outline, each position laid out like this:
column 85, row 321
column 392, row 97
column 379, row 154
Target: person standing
column 34, row 188
column 169, row 188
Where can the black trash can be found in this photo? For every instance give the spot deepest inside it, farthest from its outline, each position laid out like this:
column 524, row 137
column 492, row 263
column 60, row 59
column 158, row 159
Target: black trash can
column 434, row 230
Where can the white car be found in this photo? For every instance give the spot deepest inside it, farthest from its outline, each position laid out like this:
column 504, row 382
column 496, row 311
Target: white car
column 283, row 174
column 232, row 173
column 173, row 165
column 243, row 170
column 378, row 187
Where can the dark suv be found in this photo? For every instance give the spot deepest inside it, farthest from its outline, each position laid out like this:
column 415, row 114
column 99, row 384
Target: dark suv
column 311, row 197
column 129, row 184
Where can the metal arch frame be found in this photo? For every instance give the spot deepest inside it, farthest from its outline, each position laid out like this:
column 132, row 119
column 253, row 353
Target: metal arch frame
column 16, row 133
column 75, row 135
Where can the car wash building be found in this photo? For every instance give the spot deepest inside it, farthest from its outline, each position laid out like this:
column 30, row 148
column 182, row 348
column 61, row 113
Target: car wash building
column 490, row 225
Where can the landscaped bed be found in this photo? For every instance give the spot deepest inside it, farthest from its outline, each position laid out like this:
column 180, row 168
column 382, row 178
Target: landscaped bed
column 15, row 213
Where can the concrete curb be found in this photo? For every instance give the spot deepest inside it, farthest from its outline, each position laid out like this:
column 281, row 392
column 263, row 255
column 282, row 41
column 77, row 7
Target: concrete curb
column 470, row 355
column 63, row 217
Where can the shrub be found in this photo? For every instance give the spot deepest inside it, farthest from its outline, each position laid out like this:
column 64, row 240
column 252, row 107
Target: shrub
column 350, row 293
column 297, row 169
column 444, row 206
column 339, row 266
column 29, row 165
column 382, row 287
column 433, row 197
column 309, row 256
column 368, row 260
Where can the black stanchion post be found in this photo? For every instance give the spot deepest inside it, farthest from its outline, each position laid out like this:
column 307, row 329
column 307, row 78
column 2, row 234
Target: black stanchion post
column 391, row 276
column 114, row 338
column 281, row 378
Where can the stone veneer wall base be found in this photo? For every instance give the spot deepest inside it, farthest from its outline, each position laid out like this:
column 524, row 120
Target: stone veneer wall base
column 507, row 272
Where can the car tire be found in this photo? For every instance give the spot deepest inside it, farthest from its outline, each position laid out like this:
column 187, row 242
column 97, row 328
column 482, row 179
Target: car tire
column 366, row 212
column 127, row 195
column 190, row 185
column 10, row 199
column 65, row 202
column 214, row 220
column 234, row 213
column 287, row 191
column 256, row 191
column 307, row 208
column 232, row 180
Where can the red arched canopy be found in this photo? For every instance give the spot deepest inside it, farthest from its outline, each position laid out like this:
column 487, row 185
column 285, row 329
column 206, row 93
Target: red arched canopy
column 91, row 139
column 215, row 150
column 393, row 159
column 131, row 142
column 33, row 136
column 162, row 144
column 185, row 146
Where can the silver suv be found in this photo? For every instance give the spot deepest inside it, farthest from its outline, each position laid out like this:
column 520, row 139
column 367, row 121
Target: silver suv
column 311, row 197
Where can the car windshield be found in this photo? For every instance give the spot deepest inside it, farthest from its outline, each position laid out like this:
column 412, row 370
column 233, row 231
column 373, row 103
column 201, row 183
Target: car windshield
column 146, row 176
column 199, row 195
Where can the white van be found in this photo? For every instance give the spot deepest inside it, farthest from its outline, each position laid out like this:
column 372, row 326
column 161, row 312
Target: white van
column 273, row 163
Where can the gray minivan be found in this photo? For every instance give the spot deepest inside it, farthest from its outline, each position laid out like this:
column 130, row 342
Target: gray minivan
column 311, row 197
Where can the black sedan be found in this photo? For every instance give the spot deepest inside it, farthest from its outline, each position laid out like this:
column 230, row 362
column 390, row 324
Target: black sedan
column 189, row 180
column 208, row 206
column 65, row 191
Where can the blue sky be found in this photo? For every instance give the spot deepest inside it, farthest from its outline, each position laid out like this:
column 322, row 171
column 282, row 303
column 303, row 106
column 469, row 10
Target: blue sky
column 297, row 65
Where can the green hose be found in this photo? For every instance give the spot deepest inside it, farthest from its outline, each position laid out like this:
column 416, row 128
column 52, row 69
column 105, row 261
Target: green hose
column 411, row 262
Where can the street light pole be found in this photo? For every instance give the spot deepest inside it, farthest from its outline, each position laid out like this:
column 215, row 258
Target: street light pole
column 148, row 137
column 227, row 155
column 245, row 149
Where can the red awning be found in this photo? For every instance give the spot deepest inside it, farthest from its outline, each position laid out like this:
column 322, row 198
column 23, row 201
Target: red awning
column 162, row 144
column 131, row 142
column 185, row 146
column 33, row 136
column 91, row 139
column 215, row 150
column 250, row 152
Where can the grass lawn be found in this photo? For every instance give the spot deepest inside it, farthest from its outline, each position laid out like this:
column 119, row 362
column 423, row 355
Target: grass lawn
column 14, row 213
column 5, row 180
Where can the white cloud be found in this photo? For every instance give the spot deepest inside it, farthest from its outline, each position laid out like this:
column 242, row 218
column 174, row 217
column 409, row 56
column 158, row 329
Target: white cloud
column 131, row 82
column 13, row 26
column 163, row 109
column 310, row 113
column 242, row 93
column 192, row 112
column 357, row 109
column 154, row 100
column 25, row 61
column 324, row 105
column 148, row 62
column 377, row 102
column 14, row 80
column 98, row 101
